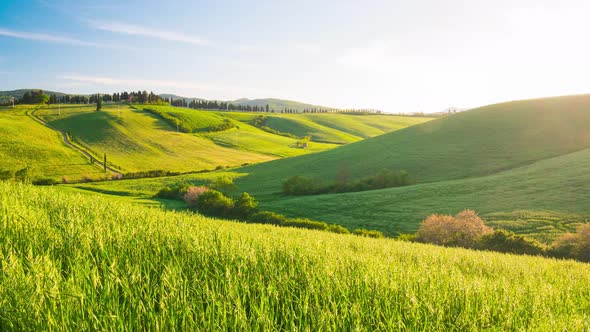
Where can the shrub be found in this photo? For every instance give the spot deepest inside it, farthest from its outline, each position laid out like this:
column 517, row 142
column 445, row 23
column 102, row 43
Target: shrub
column 338, row 229
column 213, row 202
column 300, row 185
column 45, row 182
column 463, row 230
column 368, row 233
column 508, row 242
column 244, row 206
column 177, row 192
column 6, row 175
column 23, row 175
column 267, row 217
column 191, row 196
column 576, row 245
column 65, row 180
column 305, row 223
column 224, row 184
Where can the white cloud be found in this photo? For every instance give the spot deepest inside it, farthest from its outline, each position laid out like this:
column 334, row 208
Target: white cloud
column 137, row 30
column 50, row 38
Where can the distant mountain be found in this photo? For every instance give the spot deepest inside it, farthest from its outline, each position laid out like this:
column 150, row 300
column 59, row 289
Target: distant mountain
column 20, row 93
column 177, row 97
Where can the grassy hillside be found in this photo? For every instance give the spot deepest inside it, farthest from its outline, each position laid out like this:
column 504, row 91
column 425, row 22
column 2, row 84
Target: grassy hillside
column 474, row 143
column 25, row 142
column 543, row 200
column 77, row 262
column 136, row 140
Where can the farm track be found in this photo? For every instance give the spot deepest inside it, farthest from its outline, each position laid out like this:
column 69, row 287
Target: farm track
column 67, row 142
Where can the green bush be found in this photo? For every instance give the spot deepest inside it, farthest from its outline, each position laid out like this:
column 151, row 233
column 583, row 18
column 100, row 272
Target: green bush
column 338, row 229
column 509, row 242
column 23, row 175
column 301, row 185
column 244, row 206
column 573, row 245
column 176, row 192
column 215, row 203
column 6, row 175
column 406, row 237
column 305, row 223
column 45, row 182
column 368, row 233
column 267, row 217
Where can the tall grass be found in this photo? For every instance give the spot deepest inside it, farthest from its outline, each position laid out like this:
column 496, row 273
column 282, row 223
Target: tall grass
column 76, row 262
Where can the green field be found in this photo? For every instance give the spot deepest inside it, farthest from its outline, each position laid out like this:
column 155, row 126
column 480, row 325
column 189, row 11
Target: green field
column 135, row 140
column 25, row 142
column 138, row 140
column 522, row 165
column 81, row 262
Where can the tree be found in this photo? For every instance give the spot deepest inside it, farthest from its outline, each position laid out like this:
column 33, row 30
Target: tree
column 98, row 103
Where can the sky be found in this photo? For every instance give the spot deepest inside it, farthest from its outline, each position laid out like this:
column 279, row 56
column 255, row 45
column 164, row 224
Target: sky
column 395, row 56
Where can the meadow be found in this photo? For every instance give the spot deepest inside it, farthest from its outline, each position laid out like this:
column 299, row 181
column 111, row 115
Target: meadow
column 71, row 261
column 136, row 139
column 25, row 142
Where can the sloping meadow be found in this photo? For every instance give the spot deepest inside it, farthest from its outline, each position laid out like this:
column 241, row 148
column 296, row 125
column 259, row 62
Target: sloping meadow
column 77, row 262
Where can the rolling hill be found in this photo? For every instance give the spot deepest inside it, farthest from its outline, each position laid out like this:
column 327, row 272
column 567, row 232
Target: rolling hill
column 474, row 143
column 25, row 142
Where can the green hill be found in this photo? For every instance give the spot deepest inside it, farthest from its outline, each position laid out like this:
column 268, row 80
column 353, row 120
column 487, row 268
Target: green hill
column 474, row 143
column 26, row 142
column 277, row 104
column 79, row 262
column 136, row 140
column 21, row 92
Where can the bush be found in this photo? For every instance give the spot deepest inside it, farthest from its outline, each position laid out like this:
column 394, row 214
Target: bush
column 301, row 185
column 305, row 223
column 508, row 242
column 176, row 192
column 338, row 229
column 192, row 194
column 224, row 184
column 267, row 217
column 23, row 175
column 245, row 206
column 576, row 245
column 463, row 230
column 213, row 202
column 368, row 233
column 6, row 175
column 45, row 182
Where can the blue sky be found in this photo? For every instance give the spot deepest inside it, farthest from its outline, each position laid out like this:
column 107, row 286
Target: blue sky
column 398, row 56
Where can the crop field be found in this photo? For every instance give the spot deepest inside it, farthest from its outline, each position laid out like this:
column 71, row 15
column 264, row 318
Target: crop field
column 71, row 261
column 25, row 142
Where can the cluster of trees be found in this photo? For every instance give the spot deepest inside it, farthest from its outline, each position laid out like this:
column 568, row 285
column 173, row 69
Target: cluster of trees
column 142, row 97
column 260, row 122
column 302, row 185
column 468, row 230
column 215, row 200
column 22, row 175
column 34, row 97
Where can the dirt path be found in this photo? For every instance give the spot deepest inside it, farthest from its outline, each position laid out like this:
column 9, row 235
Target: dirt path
column 67, row 142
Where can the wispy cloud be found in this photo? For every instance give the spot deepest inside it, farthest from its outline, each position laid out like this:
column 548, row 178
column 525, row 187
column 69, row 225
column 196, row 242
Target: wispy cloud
column 51, row 38
column 160, row 85
column 130, row 29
